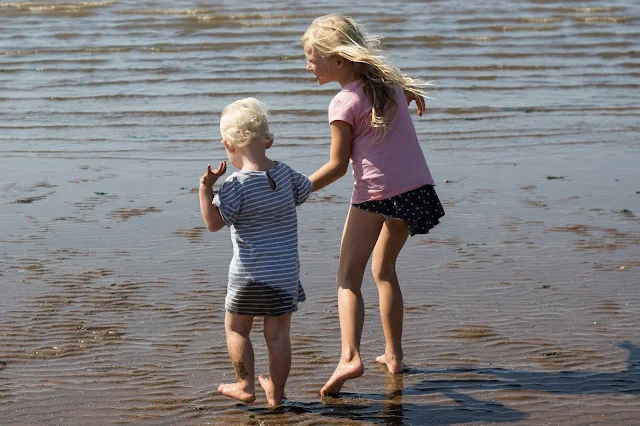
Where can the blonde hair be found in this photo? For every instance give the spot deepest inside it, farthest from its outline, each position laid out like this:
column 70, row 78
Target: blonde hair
column 245, row 122
column 340, row 35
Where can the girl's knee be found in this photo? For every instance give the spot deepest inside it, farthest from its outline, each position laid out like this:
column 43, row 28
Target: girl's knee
column 348, row 283
column 383, row 272
column 350, row 276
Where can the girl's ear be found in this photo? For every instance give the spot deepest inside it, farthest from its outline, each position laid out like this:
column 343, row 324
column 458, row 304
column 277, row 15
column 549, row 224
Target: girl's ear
column 339, row 62
column 227, row 146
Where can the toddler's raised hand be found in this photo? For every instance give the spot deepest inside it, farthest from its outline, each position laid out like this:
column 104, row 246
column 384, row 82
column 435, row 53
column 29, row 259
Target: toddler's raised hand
column 209, row 178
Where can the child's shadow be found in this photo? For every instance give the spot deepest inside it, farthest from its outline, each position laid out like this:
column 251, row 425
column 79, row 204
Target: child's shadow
column 389, row 409
column 568, row 382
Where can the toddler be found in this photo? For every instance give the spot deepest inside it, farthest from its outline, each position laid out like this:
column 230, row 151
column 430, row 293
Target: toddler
column 258, row 204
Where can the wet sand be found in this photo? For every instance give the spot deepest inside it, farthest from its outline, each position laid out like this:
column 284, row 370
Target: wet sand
column 521, row 307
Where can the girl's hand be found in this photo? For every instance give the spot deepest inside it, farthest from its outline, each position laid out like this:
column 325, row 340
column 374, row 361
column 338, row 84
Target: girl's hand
column 419, row 101
column 209, row 178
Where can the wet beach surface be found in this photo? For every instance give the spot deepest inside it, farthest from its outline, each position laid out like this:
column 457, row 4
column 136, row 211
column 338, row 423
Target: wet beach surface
column 521, row 307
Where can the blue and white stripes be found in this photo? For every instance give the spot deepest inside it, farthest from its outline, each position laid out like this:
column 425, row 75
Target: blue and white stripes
column 264, row 274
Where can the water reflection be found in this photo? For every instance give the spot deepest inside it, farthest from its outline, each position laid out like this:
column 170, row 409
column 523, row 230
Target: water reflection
column 393, row 411
column 390, row 409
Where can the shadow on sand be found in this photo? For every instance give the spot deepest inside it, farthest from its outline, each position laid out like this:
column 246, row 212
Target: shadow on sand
column 566, row 382
column 390, row 410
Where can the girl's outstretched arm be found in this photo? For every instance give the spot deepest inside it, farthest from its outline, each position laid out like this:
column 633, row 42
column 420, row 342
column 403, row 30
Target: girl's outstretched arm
column 339, row 156
column 210, row 212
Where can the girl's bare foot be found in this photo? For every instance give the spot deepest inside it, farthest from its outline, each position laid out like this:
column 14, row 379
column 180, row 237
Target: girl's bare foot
column 274, row 396
column 237, row 391
column 344, row 372
column 395, row 366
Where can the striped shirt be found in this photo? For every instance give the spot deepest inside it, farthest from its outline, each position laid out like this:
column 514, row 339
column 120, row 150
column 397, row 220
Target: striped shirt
column 264, row 274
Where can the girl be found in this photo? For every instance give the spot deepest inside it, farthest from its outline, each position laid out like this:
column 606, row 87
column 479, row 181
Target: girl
column 393, row 195
column 259, row 204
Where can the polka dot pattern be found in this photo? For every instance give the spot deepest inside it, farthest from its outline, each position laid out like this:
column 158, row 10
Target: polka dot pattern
column 419, row 208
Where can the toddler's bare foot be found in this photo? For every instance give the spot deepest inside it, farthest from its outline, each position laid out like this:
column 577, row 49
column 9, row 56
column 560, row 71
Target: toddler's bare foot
column 274, row 396
column 395, row 366
column 237, row 391
column 344, row 371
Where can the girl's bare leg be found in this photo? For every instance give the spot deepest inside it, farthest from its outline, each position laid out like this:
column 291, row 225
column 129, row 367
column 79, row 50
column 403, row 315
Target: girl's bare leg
column 276, row 334
column 359, row 237
column 238, row 328
column 391, row 240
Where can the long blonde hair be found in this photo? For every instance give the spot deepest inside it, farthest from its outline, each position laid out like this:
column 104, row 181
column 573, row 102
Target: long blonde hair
column 340, row 35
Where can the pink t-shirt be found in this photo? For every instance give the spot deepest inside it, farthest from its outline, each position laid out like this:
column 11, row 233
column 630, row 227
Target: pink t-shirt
column 388, row 167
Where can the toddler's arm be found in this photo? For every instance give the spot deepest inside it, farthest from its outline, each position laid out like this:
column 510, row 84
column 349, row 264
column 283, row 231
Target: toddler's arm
column 210, row 212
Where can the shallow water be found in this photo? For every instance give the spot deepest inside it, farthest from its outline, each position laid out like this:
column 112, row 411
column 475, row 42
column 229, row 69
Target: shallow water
column 521, row 307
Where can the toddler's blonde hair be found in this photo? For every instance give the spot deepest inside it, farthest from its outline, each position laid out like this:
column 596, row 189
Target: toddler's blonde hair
column 245, row 122
column 339, row 35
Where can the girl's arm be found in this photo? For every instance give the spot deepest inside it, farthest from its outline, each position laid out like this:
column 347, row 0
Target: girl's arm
column 412, row 96
column 338, row 157
column 210, row 212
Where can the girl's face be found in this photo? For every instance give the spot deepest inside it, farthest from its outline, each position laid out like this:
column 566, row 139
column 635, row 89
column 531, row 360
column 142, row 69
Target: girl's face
column 323, row 69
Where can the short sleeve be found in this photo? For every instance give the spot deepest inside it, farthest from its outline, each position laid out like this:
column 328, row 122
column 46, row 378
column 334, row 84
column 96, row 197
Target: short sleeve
column 302, row 187
column 228, row 200
column 341, row 108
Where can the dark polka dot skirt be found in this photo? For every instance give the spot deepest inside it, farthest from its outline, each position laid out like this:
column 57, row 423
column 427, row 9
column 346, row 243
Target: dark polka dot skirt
column 419, row 208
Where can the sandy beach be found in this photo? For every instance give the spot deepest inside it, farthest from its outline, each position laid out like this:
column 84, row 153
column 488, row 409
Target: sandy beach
column 521, row 307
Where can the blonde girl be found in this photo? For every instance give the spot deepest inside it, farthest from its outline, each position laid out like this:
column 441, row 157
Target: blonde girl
column 393, row 195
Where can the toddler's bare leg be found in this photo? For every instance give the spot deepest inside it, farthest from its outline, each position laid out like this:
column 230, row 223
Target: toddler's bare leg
column 276, row 334
column 392, row 238
column 238, row 328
